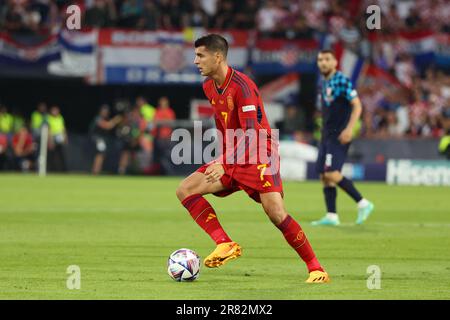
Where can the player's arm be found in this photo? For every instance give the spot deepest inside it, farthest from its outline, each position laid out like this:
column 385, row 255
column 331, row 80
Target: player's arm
column 247, row 103
column 109, row 124
column 347, row 134
column 215, row 170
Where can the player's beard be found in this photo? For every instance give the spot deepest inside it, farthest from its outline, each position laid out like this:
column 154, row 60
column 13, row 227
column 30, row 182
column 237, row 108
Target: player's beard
column 327, row 72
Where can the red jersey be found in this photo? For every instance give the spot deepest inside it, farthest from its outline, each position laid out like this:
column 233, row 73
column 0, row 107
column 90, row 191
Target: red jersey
column 163, row 132
column 238, row 105
column 25, row 138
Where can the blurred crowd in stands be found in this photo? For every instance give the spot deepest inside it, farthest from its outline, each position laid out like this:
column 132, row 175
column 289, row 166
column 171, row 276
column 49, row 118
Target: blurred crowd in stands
column 422, row 109
column 134, row 127
column 286, row 18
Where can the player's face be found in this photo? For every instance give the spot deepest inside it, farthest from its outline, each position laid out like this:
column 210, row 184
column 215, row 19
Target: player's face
column 207, row 62
column 326, row 62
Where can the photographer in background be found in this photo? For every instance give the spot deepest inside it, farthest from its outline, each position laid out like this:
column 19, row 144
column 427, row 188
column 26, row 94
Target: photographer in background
column 101, row 128
column 130, row 132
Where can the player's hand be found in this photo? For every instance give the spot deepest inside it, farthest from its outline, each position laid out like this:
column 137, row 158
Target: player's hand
column 214, row 172
column 346, row 136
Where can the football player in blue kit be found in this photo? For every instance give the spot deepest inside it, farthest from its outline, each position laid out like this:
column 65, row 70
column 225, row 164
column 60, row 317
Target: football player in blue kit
column 341, row 109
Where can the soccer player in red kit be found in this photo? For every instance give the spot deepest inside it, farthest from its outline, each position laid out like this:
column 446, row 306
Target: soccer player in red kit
column 238, row 106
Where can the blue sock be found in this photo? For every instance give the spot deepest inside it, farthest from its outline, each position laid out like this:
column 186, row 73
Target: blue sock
column 347, row 186
column 330, row 198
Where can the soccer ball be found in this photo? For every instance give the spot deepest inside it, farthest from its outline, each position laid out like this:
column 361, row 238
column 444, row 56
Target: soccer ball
column 183, row 265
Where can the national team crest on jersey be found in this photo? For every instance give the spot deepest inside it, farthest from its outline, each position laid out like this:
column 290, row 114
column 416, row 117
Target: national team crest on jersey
column 230, row 103
column 329, row 95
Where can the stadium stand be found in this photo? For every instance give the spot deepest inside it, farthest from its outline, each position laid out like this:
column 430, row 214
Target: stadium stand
column 402, row 70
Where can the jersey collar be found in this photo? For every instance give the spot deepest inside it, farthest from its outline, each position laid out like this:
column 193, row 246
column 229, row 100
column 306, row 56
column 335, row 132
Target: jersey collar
column 227, row 81
column 334, row 76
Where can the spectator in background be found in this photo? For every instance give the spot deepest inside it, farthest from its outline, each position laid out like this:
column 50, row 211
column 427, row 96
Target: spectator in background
column 151, row 16
column 130, row 132
column 6, row 121
column 3, row 150
column 18, row 120
column 413, row 21
column 269, row 17
column 172, row 12
column 335, row 19
column 404, row 70
column 164, row 115
column 57, row 140
column 196, row 17
column 301, row 30
column 162, row 131
column 100, row 130
column 23, row 149
column 444, row 144
column 350, row 35
column 6, row 125
column 392, row 20
column 10, row 17
column 313, row 12
column 146, row 110
column 418, row 110
column 164, row 7
column 102, row 14
column 245, row 18
column 38, row 119
column 130, row 13
column 21, row 16
column 47, row 10
column 210, row 6
column 224, row 17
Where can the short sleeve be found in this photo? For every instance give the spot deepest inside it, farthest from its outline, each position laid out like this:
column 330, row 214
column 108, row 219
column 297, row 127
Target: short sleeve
column 247, row 103
column 349, row 92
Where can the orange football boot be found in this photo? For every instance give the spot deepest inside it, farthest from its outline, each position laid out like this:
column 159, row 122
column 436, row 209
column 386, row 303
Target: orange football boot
column 223, row 253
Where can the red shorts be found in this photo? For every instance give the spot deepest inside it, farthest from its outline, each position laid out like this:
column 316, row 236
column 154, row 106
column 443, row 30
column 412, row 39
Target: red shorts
column 252, row 178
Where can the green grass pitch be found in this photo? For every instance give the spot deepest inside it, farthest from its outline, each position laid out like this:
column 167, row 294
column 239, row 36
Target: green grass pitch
column 120, row 231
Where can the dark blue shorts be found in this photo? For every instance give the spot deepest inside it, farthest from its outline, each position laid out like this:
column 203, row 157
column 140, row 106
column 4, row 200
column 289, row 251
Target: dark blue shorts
column 332, row 155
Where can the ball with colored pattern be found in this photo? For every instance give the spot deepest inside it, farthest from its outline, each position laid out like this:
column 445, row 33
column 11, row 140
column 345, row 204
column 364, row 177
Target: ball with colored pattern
column 183, row 265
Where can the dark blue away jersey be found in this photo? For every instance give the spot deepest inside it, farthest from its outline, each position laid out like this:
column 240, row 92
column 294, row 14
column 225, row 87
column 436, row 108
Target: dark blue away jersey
column 336, row 94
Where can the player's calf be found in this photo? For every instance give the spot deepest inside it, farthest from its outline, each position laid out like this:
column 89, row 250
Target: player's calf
column 292, row 232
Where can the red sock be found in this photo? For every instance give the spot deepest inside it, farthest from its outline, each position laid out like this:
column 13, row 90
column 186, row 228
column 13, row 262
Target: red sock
column 205, row 216
column 297, row 239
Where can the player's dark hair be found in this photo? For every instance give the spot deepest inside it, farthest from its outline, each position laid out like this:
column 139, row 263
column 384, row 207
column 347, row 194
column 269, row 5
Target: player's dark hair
column 323, row 51
column 213, row 42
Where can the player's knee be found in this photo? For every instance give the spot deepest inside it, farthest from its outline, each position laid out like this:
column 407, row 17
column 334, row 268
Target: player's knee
column 332, row 177
column 275, row 212
column 182, row 191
